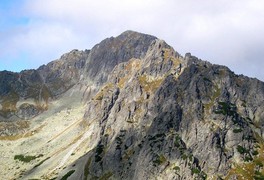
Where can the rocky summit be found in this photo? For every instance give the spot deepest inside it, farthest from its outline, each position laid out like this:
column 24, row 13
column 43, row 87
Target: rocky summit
column 131, row 108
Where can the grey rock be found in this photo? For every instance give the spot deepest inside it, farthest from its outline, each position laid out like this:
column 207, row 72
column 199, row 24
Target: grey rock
column 27, row 111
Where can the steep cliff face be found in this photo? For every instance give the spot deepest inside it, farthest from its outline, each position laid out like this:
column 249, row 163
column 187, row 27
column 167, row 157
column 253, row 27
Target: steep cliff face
column 112, row 51
column 150, row 113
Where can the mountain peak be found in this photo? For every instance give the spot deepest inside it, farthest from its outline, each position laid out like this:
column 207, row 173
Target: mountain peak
column 129, row 34
column 131, row 108
column 112, row 51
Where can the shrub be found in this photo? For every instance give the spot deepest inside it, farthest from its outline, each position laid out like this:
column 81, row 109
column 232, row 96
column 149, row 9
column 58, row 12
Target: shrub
column 99, row 151
column 241, row 149
column 195, row 171
column 159, row 160
column 23, row 158
column 176, row 168
column 237, row 130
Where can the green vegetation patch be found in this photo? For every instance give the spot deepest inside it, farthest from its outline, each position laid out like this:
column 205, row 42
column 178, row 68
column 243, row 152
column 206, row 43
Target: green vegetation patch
column 23, row 158
column 149, row 85
column 226, row 108
column 206, row 79
column 242, row 150
column 41, row 162
column 237, row 130
column 195, row 171
column 68, row 174
column 156, row 139
column 252, row 167
column 100, row 95
column 180, row 145
column 160, row 159
column 201, row 174
column 98, row 153
column 177, row 141
column 106, row 176
column 244, row 103
column 215, row 95
column 176, row 168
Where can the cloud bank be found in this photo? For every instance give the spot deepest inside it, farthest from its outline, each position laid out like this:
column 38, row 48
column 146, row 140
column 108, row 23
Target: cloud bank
column 223, row 32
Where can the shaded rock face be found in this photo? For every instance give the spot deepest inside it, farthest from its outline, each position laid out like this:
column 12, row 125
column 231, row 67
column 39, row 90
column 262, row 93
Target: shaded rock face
column 155, row 114
column 20, row 86
column 60, row 75
column 38, row 87
column 27, row 111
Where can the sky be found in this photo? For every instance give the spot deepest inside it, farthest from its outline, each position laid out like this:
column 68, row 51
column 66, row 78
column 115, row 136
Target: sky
column 230, row 33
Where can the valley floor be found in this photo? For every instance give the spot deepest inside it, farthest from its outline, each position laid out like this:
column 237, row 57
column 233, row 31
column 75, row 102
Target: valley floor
column 54, row 141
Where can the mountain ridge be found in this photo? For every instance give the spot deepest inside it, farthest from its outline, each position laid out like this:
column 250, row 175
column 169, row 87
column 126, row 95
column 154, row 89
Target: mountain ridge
column 134, row 108
column 60, row 75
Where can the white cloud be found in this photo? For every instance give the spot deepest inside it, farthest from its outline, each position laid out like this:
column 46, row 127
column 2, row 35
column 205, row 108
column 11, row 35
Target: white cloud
column 223, row 32
column 42, row 41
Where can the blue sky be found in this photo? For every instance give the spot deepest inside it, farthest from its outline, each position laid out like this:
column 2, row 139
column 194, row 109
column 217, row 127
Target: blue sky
column 35, row 32
column 12, row 20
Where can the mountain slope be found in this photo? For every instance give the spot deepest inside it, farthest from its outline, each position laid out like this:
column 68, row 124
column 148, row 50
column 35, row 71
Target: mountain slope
column 136, row 109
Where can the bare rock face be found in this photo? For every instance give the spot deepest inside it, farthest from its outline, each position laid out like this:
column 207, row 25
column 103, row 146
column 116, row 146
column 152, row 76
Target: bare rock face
column 155, row 114
column 27, row 111
column 61, row 75
column 16, row 87
column 112, row 51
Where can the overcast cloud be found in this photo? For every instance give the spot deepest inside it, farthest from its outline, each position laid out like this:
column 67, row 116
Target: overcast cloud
column 34, row 32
